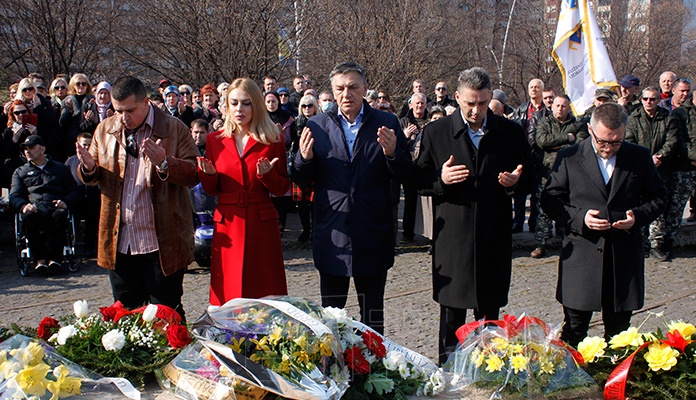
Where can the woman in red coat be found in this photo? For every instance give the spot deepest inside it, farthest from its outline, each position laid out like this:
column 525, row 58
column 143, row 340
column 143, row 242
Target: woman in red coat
column 245, row 163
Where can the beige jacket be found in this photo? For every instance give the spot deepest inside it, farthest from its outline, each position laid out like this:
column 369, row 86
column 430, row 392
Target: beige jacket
column 170, row 198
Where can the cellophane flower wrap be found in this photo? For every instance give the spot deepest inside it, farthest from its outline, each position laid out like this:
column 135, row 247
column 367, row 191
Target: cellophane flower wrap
column 378, row 368
column 517, row 358
column 30, row 369
column 278, row 345
column 644, row 365
column 117, row 341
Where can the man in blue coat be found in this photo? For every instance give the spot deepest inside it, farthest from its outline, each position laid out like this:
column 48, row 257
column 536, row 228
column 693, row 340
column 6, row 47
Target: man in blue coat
column 351, row 152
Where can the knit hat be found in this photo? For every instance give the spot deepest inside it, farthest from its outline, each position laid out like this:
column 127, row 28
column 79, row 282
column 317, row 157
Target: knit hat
column 499, row 95
column 282, row 89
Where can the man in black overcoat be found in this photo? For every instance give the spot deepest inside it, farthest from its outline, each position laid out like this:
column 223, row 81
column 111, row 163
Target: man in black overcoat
column 471, row 162
column 602, row 191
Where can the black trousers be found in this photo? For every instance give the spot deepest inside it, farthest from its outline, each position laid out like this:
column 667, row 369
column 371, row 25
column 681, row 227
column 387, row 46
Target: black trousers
column 451, row 319
column 46, row 233
column 577, row 322
column 138, row 279
column 370, row 290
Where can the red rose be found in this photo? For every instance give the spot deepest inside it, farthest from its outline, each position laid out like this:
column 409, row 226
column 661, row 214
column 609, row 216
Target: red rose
column 178, row 336
column 168, row 314
column 374, row 343
column 356, row 361
column 47, row 327
column 109, row 313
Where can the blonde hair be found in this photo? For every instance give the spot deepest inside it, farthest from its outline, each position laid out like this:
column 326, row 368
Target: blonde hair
column 261, row 128
column 72, row 87
column 23, row 84
column 308, row 98
column 52, row 90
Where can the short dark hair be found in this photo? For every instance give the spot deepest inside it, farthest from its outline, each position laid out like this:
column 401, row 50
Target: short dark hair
column 611, row 115
column 565, row 96
column 298, row 76
column 126, row 86
column 346, row 67
column 84, row 135
column 201, row 122
column 475, row 78
column 270, row 77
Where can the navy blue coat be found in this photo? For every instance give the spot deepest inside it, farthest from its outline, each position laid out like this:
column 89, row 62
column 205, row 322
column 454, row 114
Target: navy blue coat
column 353, row 218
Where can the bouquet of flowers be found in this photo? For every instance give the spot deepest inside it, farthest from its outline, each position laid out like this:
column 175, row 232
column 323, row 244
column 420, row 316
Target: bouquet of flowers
column 30, row 370
column 517, row 358
column 118, row 341
column 644, row 365
column 277, row 345
column 379, row 368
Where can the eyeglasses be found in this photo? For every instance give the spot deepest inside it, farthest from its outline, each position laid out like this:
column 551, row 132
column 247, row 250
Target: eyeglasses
column 649, row 99
column 59, row 88
column 685, row 80
column 20, row 112
column 602, row 142
column 81, row 83
column 381, row 97
column 27, row 89
column 283, row 95
column 185, row 93
column 307, row 105
column 440, row 88
column 132, row 146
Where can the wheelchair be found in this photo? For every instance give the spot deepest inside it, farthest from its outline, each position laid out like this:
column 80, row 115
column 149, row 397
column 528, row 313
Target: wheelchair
column 25, row 260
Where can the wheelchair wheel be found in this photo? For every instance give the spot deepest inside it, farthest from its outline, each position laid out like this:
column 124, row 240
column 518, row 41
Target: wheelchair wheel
column 73, row 265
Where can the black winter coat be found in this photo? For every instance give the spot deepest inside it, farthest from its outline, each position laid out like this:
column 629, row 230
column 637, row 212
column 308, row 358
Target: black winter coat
column 472, row 244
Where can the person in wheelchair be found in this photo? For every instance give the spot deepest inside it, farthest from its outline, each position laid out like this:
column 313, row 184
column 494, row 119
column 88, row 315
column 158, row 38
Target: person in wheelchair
column 42, row 190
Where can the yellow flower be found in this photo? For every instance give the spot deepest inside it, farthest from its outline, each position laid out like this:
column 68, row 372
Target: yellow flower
column 277, row 334
column 686, row 330
column 325, row 348
column 494, row 363
column 517, row 348
column 301, row 341
column 661, row 356
column 8, row 369
column 500, row 343
column 3, row 356
column 546, row 366
column 591, row 348
column 29, row 355
column 629, row 337
column 236, row 345
column 300, row 356
column 477, row 356
column 32, row 380
column 65, row 386
column 519, row 363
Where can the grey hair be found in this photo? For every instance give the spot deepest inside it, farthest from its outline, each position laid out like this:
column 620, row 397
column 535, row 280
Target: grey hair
column 413, row 97
column 347, row 67
column 650, row 89
column 611, row 115
column 474, row 78
column 371, row 95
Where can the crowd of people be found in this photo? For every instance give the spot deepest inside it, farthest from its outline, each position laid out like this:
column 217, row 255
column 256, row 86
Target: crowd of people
column 343, row 158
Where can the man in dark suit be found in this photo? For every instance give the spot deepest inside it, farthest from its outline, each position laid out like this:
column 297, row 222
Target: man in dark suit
column 602, row 192
column 351, row 152
column 471, row 162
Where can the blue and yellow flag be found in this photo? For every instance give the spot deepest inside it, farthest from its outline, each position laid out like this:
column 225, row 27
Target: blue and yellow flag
column 581, row 55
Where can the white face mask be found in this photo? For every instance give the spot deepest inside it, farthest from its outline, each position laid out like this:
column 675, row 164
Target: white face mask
column 326, row 105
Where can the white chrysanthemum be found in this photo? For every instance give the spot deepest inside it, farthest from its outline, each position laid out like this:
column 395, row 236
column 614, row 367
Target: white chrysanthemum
column 150, row 313
column 397, row 357
column 113, row 340
column 53, row 338
column 404, row 371
column 438, row 381
column 389, row 364
column 81, row 309
column 339, row 314
column 340, row 375
column 65, row 333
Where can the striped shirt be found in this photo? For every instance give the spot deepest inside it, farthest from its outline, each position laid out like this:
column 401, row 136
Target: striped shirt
column 137, row 230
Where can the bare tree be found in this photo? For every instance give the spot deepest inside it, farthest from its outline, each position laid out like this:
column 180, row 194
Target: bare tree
column 56, row 36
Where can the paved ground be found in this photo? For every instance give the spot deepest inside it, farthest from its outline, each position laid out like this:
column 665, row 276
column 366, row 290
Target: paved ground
column 411, row 314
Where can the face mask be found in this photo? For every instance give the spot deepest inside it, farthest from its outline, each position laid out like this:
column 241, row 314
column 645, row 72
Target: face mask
column 326, row 105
